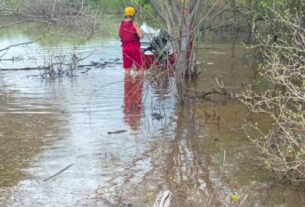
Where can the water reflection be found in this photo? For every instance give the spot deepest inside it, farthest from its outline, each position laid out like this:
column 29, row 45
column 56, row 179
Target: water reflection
column 188, row 174
column 28, row 122
column 133, row 93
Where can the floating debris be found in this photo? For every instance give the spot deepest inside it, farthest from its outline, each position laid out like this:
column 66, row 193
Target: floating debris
column 157, row 116
column 218, row 53
column 118, row 131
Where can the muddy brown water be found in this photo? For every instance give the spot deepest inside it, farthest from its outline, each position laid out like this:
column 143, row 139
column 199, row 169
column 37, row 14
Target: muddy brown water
column 91, row 140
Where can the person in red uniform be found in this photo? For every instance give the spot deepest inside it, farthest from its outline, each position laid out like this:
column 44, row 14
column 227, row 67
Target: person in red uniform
column 130, row 35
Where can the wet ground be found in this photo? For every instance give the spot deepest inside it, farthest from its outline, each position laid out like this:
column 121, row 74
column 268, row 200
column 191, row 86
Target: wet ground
column 101, row 138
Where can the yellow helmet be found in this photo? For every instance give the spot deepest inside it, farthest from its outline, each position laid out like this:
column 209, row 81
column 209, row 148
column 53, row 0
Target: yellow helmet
column 129, row 12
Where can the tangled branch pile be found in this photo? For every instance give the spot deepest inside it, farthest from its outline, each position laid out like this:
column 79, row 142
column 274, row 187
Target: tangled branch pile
column 283, row 147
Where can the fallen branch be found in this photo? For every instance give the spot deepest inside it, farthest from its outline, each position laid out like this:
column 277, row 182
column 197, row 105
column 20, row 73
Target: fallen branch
column 21, row 44
column 203, row 94
column 59, row 172
column 100, row 65
column 26, row 68
column 118, row 131
column 164, row 199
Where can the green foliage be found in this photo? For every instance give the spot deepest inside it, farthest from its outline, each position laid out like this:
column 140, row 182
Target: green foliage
column 140, row 2
column 116, row 6
column 234, row 198
column 272, row 3
column 108, row 6
column 282, row 7
column 146, row 13
column 11, row 3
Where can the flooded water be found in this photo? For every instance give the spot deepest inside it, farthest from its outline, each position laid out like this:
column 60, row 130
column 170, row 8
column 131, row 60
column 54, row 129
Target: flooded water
column 95, row 140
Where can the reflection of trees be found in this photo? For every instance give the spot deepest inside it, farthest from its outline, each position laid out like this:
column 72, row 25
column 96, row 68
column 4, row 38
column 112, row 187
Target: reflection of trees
column 188, row 164
column 160, row 101
column 188, row 171
column 160, row 83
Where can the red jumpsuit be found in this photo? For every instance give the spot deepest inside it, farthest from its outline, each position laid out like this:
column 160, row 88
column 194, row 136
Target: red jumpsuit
column 131, row 47
column 133, row 92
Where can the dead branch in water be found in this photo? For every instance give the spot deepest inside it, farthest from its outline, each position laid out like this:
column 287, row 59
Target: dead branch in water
column 59, row 172
column 99, row 65
column 22, row 44
column 191, row 93
column 164, row 199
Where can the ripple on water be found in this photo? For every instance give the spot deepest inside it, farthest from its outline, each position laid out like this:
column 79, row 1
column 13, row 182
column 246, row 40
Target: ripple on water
column 47, row 126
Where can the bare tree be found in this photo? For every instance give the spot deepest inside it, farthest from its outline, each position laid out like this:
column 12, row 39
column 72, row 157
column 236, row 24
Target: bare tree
column 183, row 20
